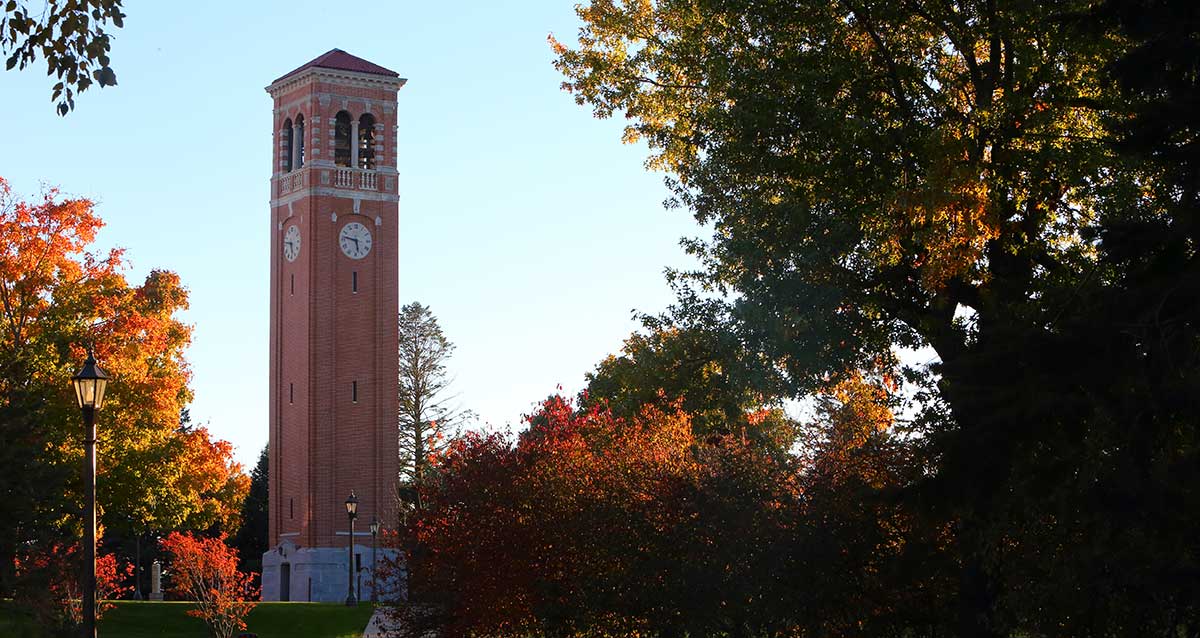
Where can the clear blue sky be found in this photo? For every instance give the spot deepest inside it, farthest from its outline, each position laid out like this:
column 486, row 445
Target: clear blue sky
column 526, row 225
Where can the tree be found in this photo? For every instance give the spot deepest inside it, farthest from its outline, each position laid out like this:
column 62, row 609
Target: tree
column 55, row 299
column 426, row 415
column 251, row 538
column 884, row 567
column 938, row 152
column 700, row 369
column 205, row 570
column 591, row 523
column 1010, row 185
column 71, row 36
column 38, row 243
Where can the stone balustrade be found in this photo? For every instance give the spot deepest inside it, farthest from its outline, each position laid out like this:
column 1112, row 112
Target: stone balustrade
column 337, row 177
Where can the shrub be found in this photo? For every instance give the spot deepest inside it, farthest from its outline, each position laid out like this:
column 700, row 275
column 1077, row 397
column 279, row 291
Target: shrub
column 49, row 586
column 205, row 570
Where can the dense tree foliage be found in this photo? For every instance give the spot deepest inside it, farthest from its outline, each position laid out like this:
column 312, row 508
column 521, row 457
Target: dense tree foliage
column 594, row 523
column 56, row 298
column 1010, row 186
column 71, row 36
column 703, row 370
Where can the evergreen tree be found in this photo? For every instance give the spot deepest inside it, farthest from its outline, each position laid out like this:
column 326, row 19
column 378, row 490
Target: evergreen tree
column 427, row 416
column 251, row 539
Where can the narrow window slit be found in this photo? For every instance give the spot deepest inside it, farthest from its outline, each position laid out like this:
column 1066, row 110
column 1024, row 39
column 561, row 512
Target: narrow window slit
column 286, row 151
column 299, row 141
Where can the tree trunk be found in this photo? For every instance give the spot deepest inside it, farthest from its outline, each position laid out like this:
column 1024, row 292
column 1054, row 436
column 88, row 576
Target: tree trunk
column 418, row 464
column 975, row 598
column 8, row 573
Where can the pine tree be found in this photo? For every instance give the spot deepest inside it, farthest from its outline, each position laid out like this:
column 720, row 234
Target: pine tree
column 251, row 539
column 427, row 416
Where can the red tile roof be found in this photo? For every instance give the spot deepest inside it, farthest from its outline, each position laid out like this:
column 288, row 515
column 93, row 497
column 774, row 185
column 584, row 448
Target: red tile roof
column 342, row 61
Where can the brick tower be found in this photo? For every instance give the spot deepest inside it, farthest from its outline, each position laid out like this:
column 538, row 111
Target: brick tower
column 334, row 305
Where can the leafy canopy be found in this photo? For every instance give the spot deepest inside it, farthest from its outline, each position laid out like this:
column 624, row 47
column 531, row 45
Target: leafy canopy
column 876, row 173
column 57, row 298
column 71, row 35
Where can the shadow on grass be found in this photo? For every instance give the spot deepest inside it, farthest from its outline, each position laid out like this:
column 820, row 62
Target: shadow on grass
column 131, row 619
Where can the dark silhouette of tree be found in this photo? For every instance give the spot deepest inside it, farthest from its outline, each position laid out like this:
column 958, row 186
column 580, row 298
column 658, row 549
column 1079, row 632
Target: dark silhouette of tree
column 251, row 539
column 1011, row 187
column 72, row 37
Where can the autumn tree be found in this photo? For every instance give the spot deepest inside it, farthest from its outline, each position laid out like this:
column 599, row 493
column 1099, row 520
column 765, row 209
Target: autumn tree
column 427, row 414
column 72, row 37
column 1009, row 185
column 867, row 560
column 592, row 523
column 700, row 368
column 56, row 298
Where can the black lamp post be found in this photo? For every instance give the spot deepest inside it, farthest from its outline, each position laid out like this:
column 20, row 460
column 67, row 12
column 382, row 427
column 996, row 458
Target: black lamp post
column 137, row 570
column 352, row 512
column 90, row 383
column 374, row 564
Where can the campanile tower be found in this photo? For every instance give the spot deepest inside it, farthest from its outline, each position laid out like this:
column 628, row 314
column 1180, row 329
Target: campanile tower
column 334, row 305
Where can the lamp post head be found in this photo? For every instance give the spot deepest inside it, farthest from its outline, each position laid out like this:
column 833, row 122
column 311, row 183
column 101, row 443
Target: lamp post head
column 352, row 505
column 374, row 525
column 90, row 383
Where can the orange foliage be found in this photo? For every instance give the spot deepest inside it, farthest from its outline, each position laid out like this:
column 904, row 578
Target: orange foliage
column 40, row 248
column 559, row 527
column 56, row 299
column 945, row 214
column 212, row 474
column 851, row 441
column 205, row 570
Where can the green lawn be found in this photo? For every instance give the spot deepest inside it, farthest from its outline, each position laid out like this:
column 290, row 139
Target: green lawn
column 170, row 620
column 14, row 622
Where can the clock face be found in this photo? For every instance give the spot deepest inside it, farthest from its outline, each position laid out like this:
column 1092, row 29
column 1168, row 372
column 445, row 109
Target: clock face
column 291, row 243
column 355, row 240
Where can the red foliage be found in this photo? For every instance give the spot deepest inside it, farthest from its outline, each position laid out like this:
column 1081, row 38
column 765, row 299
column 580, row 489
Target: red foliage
column 589, row 522
column 51, row 583
column 205, row 570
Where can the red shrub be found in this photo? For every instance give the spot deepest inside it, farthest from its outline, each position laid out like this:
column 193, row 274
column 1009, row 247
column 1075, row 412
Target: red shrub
column 50, row 584
column 205, row 570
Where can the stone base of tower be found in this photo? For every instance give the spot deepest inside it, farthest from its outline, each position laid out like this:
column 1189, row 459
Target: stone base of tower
column 319, row 574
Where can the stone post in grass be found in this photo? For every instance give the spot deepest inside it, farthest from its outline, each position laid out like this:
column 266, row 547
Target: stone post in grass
column 156, row 581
